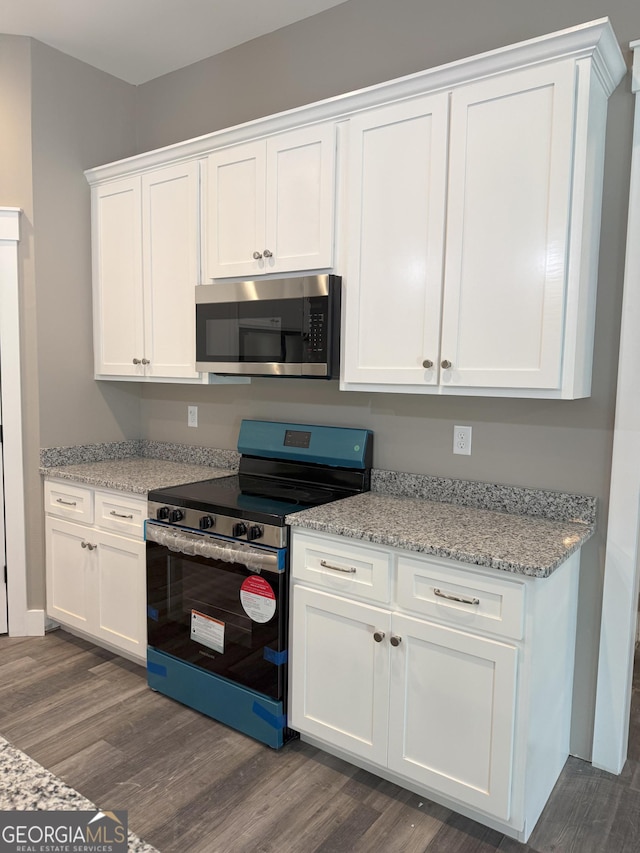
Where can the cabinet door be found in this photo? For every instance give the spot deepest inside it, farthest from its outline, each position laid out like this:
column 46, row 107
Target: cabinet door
column 300, row 199
column 397, row 186
column 117, row 278
column 452, row 711
column 508, row 228
column 170, row 216
column 68, row 571
column 234, row 198
column 339, row 677
column 120, row 591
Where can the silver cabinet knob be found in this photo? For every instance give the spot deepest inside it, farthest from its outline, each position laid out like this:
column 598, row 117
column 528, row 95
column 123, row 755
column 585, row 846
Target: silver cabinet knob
column 427, row 363
column 378, row 636
column 395, row 640
column 267, row 253
column 83, row 544
column 446, row 364
column 145, row 361
column 136, row 361
column 256, row 256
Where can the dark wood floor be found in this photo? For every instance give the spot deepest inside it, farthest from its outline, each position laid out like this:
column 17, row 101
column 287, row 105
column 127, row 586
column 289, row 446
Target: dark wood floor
column 190, row 784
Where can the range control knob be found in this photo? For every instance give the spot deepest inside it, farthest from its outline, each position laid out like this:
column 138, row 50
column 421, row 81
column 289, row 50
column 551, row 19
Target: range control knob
column 239, row 529
column 175, row 515
column 163, row 513
column 255, row 532
column 206, row 522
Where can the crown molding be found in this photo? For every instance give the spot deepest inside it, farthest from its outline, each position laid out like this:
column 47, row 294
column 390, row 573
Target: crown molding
column 595, row 40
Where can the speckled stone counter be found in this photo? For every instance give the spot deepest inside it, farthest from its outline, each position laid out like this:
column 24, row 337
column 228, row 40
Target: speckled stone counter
column 519, row 544
column 78, row 454
column 138, row 475
column 510, row 528
column 26, row 785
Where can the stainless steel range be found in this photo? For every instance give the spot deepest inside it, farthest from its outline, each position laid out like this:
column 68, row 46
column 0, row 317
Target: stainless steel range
column 217, row 571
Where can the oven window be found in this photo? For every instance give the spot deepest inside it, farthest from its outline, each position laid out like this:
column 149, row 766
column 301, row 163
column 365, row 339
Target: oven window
column 259, row 332
column 218, row 616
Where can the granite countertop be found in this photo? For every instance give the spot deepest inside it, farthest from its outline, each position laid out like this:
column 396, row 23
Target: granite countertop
column 519, row 544
column 510, row 528
column 138, row 475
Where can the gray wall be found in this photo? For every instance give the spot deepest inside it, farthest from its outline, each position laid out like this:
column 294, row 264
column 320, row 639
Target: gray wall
column 81, row 117
column 564, row 445
column 58, row 117
column 16, row 181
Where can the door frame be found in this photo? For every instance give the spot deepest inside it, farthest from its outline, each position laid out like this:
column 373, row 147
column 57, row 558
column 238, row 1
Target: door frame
column 21, row 621
column 621, row 569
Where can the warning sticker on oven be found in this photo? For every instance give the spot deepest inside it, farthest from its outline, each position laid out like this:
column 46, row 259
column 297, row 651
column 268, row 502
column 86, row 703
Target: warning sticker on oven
column 258, row 599
column 207, row 631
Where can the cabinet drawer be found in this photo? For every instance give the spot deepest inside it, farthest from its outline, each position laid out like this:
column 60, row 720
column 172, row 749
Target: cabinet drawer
column 68, row 501
column 124, row 514
column 478, row 602
column 342, row 566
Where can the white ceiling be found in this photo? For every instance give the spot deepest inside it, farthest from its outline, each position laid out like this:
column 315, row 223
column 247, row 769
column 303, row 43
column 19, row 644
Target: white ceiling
column 138, row 40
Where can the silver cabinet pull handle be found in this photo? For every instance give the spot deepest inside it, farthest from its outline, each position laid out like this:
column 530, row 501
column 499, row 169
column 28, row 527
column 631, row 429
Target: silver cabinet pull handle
column 350, row 570
column 395, row 640
column 119, row 514
column 88, row 545
column 379, row 636
column 83, row 544
column 267, row 253
column 256, row 256
column 460, row 598
column 145, row 361
column 427, row 363
column 446, row 364
column 136, row 361
column 65, row 503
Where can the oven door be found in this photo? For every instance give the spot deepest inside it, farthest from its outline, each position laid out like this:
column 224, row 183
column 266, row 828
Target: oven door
column 219, row 605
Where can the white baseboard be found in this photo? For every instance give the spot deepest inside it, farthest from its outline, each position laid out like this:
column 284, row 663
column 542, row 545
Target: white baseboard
column 34, row 623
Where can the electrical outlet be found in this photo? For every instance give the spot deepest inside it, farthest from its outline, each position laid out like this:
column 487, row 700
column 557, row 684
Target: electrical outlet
column 462, row 440
column 192, row 416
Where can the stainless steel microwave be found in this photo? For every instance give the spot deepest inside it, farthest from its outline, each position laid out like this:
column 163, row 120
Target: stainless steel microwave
column 277, row 327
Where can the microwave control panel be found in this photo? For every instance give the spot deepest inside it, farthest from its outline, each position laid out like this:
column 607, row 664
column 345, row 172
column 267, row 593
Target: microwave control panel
column 316, row 331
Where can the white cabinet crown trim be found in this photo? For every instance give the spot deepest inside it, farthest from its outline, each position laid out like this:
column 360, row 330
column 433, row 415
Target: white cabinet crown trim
column 10, row 223
column 635, row 72
column 594, row 39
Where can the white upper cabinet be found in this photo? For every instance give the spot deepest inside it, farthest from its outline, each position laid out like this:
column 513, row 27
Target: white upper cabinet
column 234, row 203
column 145, row 248
column 397, row 194
column 509, row 209
column 170, row 225
column 269, row 205
column 473, row 227
column 468, row 202
column 117, row 277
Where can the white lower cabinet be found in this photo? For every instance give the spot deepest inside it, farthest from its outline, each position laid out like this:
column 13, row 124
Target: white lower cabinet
column 456, row 683
column 452, row 711
column 95, row 577
column 341, row 675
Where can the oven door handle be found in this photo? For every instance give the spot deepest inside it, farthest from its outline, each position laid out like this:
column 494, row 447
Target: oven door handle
column 212, row 548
